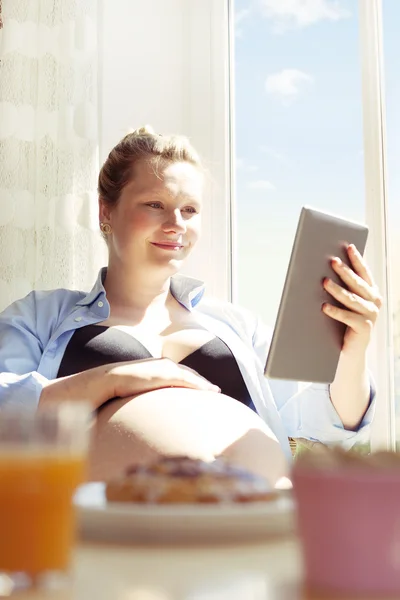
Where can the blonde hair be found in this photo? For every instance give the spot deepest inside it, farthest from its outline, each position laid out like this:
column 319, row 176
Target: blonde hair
column 141, row 144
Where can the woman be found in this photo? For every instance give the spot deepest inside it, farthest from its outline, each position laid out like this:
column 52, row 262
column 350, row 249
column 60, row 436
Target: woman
column 144, row 329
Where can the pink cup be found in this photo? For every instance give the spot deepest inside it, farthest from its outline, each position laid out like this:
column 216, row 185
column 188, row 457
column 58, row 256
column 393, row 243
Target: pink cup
column 349, row 525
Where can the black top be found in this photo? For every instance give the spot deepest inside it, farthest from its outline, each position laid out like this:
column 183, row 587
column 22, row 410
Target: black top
column 94, row 345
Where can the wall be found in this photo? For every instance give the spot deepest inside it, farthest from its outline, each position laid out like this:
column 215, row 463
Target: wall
column 165, row 63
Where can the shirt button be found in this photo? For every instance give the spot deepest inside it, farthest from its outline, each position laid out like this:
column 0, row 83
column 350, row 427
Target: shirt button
column 100, row 304
column 77, row 319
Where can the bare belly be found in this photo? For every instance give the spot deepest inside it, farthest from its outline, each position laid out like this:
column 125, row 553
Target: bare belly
column 182, row 422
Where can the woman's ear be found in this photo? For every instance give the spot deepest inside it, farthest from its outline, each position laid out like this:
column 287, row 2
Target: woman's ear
column 104, row 211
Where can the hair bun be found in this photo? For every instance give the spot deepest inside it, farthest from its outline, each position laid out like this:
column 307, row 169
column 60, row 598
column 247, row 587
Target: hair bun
column 145, row 130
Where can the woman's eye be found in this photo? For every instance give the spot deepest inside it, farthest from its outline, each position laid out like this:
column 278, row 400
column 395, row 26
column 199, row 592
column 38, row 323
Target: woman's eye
column 190, row 209
column 155, row 204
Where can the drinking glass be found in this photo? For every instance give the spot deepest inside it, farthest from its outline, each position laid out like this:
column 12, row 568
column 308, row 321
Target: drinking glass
column 43, row 458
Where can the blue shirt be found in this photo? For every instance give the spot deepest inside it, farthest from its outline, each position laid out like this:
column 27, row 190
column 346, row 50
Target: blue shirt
column 35, row 331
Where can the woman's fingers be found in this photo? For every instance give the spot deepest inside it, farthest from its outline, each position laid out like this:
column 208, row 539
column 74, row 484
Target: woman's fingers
column 356, row 283
column 359, row 297
column 358, row 323
column 182, row 376
column 352, row 300
column 360, row 265
column 139, row 376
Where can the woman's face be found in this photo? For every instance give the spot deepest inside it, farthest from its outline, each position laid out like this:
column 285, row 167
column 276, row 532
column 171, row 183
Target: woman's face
column 156, row 221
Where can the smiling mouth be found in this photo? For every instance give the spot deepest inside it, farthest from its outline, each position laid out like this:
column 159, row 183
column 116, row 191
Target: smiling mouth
column 174, row 246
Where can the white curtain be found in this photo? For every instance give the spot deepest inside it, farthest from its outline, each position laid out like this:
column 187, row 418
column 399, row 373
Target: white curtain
column 48, row 146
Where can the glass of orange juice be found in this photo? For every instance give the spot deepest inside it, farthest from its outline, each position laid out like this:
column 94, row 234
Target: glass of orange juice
column 42, row 462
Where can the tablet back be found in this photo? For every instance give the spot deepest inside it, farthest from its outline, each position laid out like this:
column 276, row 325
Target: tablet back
column 306, row 343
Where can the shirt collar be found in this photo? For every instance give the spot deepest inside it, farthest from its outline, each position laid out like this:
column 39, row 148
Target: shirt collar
column 96, row 290
column 186, row 290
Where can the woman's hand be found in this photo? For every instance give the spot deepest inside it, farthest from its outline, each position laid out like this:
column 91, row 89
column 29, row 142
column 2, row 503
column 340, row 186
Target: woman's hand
column 350, row 391
column 362, row 300
column 141, row 376
column 123, row 379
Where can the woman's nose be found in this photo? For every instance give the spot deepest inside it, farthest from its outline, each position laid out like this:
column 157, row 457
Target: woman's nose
column 174, row 222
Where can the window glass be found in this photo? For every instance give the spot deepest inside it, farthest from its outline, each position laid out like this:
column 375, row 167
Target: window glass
column 298, row 132
column 391, row 42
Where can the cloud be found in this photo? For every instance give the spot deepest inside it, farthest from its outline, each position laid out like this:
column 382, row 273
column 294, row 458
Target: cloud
column 273, row 153
column 240, row 16
column 287, row 82
column 261, row 184
column 295, row 14
column 242, row 164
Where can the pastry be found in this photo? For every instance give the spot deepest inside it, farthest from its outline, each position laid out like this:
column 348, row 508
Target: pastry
column 179, row 479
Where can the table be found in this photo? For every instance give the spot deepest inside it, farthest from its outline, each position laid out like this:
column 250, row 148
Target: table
column 264, row 571
column 240, row 572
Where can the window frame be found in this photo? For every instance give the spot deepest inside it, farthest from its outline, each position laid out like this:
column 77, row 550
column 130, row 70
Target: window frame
column 383, row 434
column 381, row 355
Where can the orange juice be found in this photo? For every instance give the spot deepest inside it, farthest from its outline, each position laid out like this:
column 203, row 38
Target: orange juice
column 37, row 520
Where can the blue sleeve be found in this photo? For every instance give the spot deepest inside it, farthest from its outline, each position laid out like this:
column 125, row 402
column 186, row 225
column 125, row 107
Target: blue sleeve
column 20, row 354
column 307, row 411
column 310, row 414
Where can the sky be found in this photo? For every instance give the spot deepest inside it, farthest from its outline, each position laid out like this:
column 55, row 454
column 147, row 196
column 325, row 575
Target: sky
column 298, row 129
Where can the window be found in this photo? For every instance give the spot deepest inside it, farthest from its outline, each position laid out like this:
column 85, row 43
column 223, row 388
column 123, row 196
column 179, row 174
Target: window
column 391, row 20
column 298, row 129
column 310, row 129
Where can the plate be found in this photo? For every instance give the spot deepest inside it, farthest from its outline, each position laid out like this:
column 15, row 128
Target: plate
column 180, row 523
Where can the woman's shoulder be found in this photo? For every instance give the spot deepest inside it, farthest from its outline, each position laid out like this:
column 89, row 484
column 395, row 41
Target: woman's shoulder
column 217, row 306
column 245, row 323
column 53, row 304
column 232, row 314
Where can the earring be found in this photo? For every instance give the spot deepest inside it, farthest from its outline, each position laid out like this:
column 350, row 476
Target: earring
column 105, row 228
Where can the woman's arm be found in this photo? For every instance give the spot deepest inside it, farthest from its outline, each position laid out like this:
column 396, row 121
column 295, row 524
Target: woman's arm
column 119, row 380
column 307, row 411
column 25, row 331
column 350, row 391
column 89, row 386
column 21, row 349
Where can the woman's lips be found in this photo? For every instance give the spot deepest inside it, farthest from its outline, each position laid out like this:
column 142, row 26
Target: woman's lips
column 168, row 245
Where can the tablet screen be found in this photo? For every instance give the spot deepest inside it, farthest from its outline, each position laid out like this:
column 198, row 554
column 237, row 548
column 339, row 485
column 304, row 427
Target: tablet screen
column 306, row 343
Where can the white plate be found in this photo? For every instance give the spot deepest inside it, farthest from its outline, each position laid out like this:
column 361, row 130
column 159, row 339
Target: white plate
column 184, row 523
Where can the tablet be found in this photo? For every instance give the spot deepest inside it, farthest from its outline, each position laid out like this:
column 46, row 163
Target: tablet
column 306, row 343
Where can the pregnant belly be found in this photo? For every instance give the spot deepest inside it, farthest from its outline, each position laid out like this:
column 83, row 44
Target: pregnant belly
column 182, row 422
